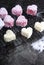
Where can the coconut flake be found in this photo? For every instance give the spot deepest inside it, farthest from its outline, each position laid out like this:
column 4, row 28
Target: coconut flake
column 39, row 45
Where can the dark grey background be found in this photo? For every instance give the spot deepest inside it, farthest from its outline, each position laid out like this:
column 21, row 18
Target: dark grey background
column 20, row 52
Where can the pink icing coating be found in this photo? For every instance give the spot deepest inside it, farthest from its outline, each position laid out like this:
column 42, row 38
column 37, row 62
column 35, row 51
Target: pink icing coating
column 32, row 9
column 9, row 21
column 3, row 12
column 17, row 10
column 21, row 21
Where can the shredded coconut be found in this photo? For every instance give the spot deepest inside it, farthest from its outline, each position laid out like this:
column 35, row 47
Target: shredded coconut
column 39, row 45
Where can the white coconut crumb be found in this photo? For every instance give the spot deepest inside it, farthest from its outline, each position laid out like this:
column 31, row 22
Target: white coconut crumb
column 39, row 45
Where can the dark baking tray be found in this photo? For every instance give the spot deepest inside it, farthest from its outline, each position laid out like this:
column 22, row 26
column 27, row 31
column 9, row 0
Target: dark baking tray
column 19, row 52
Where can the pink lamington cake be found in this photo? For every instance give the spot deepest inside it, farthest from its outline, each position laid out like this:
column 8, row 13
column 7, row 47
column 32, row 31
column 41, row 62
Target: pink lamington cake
column 3, row 12
column 32, row 10
column 21, row 21
column 17, row 10
column 9, row 21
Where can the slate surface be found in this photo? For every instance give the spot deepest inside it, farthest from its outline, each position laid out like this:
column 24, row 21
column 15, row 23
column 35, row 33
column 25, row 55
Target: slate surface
column 20, row 52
